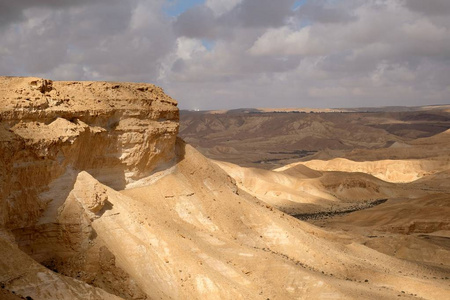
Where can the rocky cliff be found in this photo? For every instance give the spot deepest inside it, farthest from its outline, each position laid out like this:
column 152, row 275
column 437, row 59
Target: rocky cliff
column 50, row 131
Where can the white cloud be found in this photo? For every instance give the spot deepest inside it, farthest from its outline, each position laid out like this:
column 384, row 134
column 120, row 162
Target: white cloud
column 285, row 41
column 188, row 47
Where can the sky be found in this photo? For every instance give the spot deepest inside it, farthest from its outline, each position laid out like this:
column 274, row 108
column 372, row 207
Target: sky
column 224, row 54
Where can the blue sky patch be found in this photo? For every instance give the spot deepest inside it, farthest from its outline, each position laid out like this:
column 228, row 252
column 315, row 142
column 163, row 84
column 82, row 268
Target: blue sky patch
column 175, row 8
column 298, row 4
column 208, row 44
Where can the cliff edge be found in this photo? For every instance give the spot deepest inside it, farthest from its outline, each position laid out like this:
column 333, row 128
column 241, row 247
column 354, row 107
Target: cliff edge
column 52, row 130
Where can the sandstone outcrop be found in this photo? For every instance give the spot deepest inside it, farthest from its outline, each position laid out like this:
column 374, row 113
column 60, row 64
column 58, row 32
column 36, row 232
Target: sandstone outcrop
column 49, row 132
column 118, row 132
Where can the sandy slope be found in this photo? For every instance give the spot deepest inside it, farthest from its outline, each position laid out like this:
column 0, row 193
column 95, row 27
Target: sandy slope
column 388, row 170
column 297, row 189
column 399, row 163
column 192, row 235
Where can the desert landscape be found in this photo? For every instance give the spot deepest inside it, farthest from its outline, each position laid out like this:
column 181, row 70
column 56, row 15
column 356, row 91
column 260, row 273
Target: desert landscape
column 270, row 138
column 108, row 191
column 224, row 149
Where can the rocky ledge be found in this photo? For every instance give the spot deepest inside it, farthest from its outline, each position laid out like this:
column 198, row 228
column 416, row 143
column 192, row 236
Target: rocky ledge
column 52, row 130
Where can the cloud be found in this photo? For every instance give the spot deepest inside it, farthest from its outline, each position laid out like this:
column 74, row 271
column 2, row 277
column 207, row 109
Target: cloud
column 323, row 12
column 198, row 22
column 429, row 7
column 326, row 53
column 285, row 41
column 240, row 53
column 123, row 40
column 12, row 11
column 262, row 13
column 220, row 7
column 187, row 48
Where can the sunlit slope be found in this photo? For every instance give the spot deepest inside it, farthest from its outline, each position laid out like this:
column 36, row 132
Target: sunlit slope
column 387, row 170
column 435, row 148
column 192, row 235
column 398, row 163
column 298, row 189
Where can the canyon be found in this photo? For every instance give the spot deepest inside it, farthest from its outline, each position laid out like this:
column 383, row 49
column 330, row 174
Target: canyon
column 101, row 199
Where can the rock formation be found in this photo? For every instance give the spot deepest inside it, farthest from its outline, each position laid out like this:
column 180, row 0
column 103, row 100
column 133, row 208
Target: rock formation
column 52, row 130
column 100, row 200
column 49, row 132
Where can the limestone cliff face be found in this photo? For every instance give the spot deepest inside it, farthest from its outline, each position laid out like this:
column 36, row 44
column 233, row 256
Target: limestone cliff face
column 50, row 131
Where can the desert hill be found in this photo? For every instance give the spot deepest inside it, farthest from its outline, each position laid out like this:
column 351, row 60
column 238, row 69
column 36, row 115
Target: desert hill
column 100, row 200
column 298, row 189
column 399, row 163
column 391, row 197
column 273, row 138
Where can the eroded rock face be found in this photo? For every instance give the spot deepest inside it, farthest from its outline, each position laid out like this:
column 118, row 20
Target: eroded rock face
column 50, row 131
column 92, row 196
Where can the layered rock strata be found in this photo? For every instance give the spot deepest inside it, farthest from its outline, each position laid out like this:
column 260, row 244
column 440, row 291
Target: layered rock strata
column 50, row 131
